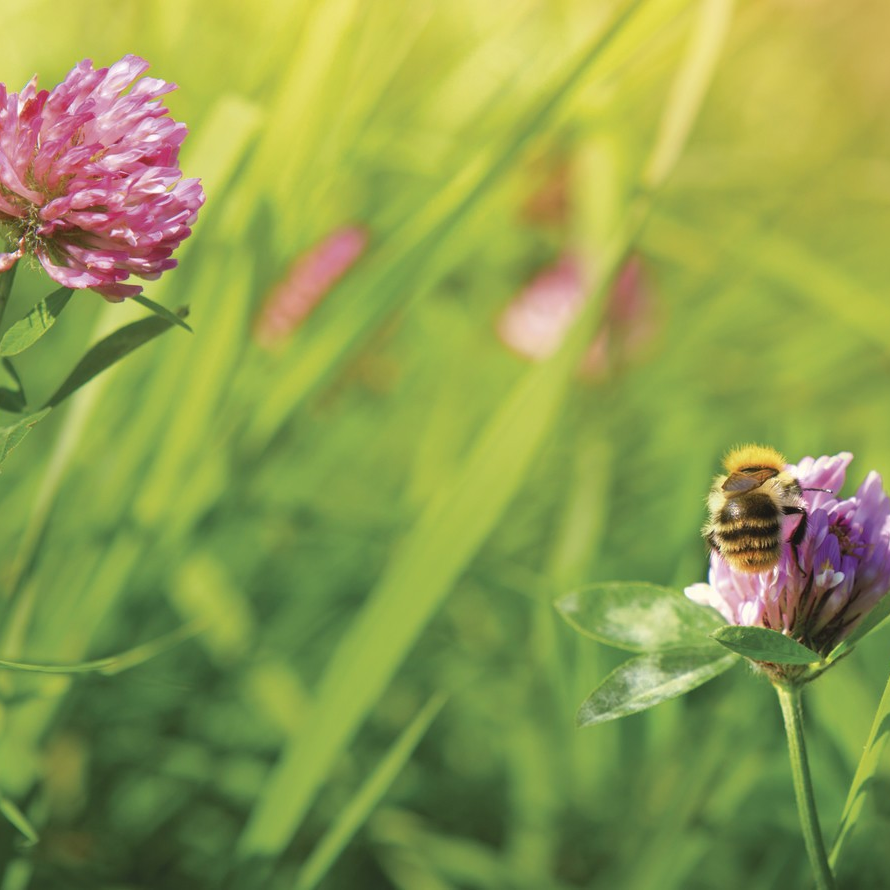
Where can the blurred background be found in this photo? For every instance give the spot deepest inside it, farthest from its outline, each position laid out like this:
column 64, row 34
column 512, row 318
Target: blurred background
column 481, row 293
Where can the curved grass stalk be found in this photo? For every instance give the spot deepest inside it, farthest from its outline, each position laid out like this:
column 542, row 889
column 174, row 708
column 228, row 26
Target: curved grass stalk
column 861, row 784
column 111, row 664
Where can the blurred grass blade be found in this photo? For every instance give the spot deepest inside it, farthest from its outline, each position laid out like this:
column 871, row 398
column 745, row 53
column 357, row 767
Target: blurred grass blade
column 864, row 776
column 431, row 559
column 10, row 436
column 110, row 350
column 356, row 812
column 421, row 239
column 204, row 594
column 36, row 323
column 19, row 820
column 449, row 532
column 444, row 860
column 647, row 680
column 210, row 364
column 111, row 664
column 323, row 33
column 776, row 256
column 688, row 89
column 162, row 311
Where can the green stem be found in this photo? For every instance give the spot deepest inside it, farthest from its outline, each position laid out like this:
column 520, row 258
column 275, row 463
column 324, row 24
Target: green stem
column 6, row 279
column 789, row 699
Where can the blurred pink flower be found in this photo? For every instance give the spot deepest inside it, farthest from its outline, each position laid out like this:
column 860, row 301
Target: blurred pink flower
column 89, row 178
column 311, row 276
column 535, row 324
column 841, row 571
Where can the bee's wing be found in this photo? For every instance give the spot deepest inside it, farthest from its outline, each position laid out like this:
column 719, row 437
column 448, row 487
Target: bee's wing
column 739, row 483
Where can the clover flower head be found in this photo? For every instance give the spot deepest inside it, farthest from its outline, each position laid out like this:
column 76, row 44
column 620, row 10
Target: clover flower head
column 310, row 278
column 537, row 321
column 838, row 574
column 89, row 178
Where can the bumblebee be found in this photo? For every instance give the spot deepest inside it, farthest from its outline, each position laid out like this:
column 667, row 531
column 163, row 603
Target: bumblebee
column 747, row 506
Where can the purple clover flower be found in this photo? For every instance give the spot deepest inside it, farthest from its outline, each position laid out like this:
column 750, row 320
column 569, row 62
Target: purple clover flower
column 89, row 178
column 841, row 572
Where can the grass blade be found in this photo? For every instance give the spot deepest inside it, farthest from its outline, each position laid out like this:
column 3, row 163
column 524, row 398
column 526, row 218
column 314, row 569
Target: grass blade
column 111, row 664
column 424, row 235
column 445, row 538
column 354, row 814
column 688, row 89
column 778, row 257
column 19, row 820
column 865, row 771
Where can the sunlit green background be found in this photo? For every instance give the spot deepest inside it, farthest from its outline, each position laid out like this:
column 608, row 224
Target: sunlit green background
column 373, row 521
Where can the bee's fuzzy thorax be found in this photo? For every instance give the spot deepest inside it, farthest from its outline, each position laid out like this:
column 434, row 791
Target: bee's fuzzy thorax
column 747, row 508
column 753, row 456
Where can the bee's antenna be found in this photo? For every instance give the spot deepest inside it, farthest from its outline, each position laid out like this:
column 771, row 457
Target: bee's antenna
column 826, row 490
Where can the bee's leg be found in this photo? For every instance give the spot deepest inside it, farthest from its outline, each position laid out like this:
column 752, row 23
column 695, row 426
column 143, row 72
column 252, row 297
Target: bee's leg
column 799, row 533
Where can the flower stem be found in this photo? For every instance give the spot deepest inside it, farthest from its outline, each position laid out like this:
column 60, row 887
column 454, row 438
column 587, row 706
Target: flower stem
column 789, row 699
column 6, row 279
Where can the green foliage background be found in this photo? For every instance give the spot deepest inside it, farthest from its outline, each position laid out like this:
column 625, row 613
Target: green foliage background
column 371, row 525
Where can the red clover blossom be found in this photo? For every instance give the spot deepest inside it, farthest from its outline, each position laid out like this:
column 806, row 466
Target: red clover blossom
column 841, row 571
column 536, row 322
column 89, row 178
column 310, row 278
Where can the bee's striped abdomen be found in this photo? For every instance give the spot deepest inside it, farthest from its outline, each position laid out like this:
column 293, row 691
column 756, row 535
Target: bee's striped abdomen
column 748, row 532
